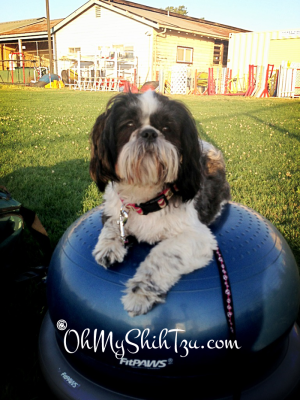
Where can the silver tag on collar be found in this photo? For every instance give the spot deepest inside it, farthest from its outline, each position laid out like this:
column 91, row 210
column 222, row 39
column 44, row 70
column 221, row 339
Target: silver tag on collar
column 123, row 217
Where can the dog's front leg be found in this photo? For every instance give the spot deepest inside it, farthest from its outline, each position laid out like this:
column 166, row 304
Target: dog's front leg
column 164, row 266
column 109, row 247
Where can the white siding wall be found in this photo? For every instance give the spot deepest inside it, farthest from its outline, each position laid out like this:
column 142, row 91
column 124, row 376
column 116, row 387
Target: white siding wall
column 253, row 48
column 88, row 32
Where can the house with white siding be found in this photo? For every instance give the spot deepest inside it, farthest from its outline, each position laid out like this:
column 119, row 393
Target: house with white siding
column 122, row 38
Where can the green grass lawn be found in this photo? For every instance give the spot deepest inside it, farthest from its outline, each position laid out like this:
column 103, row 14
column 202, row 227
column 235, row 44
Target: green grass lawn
column 44, row 162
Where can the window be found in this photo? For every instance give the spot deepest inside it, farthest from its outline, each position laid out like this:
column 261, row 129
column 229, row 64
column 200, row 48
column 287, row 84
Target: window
column 74, row 50
column 124, row 51
column 128, row 52
column 217, row 54
column 220, row 52
column 185, row 55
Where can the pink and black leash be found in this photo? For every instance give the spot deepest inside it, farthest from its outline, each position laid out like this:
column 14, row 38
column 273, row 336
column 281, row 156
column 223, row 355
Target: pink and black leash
column 230, row 317
column 226, row 293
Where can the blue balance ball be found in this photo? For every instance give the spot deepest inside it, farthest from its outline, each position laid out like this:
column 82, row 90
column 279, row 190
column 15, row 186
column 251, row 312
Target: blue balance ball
column 90, row 341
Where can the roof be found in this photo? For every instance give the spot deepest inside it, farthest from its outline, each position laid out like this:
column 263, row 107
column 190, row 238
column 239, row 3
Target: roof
column 157, row 18
column 7, row 26
column 173, row 20
column 37, row 27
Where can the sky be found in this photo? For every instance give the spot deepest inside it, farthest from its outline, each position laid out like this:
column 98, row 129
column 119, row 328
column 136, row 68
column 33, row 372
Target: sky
column 254, row 15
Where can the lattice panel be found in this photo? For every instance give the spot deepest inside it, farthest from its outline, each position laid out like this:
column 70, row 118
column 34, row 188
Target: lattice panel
column 179, row 80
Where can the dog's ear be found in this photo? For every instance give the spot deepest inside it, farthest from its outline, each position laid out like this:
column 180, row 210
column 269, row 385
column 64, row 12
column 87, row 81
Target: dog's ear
column 191, row 171
column 102, row 164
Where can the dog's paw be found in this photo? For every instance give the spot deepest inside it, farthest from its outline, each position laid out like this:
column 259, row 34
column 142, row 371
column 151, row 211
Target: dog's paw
column 141, row 297
column 109, row 253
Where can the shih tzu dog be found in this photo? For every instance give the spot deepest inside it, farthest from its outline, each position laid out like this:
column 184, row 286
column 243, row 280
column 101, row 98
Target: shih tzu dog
column 162, row 184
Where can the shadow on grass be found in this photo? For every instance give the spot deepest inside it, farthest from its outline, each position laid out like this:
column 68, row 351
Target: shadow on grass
column 254, row 114
column 277, row 127
column 55, row 193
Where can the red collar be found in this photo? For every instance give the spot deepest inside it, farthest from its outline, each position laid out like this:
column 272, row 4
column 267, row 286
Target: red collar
column 159, row 202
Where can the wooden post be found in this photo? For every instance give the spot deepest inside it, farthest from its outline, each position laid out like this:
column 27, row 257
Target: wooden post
column 49, row 36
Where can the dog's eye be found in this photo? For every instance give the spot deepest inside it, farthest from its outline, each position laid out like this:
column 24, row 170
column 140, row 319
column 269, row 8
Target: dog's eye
column 130, row 124
column 165, row 129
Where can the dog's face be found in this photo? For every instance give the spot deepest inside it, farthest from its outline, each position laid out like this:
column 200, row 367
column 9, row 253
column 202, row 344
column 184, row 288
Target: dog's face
column 146, row 139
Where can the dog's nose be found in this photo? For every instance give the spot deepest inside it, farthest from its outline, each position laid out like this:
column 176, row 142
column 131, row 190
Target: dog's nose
column 149, row 134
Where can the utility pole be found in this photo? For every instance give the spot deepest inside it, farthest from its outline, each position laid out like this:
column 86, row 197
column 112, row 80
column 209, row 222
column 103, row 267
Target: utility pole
column 49, row 37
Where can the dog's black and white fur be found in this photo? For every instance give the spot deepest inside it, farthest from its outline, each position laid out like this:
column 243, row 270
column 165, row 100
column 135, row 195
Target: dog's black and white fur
column 142, row 144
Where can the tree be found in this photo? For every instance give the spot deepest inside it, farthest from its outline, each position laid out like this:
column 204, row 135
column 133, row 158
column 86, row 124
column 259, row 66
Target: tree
column 178, row 10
